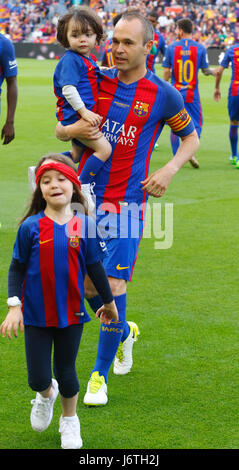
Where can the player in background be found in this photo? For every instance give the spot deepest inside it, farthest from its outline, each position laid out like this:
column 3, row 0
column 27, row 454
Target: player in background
column 8, row 72
column 182, row 62
column 231, row 57
column 107, row 58
column 54, row 249
column 159, row 43
column 135, row 105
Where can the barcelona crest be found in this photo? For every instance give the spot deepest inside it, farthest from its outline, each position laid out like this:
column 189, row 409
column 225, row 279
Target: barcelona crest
column 141, row 109
column 74, row 242
column 183, row 115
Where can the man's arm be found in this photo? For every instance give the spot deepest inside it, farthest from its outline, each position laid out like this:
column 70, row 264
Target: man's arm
column 8, row 129
column 209, row 71
column 166, row 73
column 157, row 183
column 217, row 93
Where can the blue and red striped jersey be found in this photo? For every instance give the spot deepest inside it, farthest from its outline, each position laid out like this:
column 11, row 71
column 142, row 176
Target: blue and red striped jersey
column 81, row 72
column 159, row 43
column 232, row 56
column 107, row 58
column 8, row 63
column 133, row 118
column 185, row 57
column 55, row 257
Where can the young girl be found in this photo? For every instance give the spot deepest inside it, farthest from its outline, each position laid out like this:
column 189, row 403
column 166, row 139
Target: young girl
column 75, row 85
column 53, row 251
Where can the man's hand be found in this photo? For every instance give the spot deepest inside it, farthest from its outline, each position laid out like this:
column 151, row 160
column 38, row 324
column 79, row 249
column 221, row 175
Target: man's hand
column 8, row 133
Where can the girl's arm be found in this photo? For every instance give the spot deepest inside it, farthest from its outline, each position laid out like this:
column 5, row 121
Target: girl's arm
column 98, row 276
column 14, row 318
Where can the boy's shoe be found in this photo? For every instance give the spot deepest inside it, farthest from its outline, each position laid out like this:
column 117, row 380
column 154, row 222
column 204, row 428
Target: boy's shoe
column 234, row 160
column 124, row 358
column 194, row 162
column 237, row 164
column 32, row 178
column 88, row 193
column 69, row 428
column 42, row 410
column 96, row 394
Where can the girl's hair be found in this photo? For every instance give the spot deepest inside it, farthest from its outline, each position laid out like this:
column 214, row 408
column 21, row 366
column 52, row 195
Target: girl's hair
column 37, row 202
column 85, row 17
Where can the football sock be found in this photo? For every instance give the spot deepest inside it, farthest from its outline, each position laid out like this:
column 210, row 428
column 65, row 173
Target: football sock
column 67, row 154
column 175, row 142
column 233, row 136
column 90, row 169
column 109, row 339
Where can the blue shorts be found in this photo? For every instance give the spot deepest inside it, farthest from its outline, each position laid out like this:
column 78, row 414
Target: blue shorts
column 122, row 234
column 195, row 111
column 233, row 108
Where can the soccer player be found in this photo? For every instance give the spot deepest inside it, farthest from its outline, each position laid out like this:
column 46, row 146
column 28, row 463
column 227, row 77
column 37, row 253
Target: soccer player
column 182, row 62
column 231, row 57
column 135, row 105
column 8, row 72
column 53, row 250
column 107, row 58
column 159, row 43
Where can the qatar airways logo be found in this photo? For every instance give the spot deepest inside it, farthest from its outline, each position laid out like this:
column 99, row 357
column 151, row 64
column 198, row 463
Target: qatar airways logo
column 119, row 133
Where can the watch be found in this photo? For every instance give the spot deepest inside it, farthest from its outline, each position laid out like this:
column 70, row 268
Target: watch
column 14, row 301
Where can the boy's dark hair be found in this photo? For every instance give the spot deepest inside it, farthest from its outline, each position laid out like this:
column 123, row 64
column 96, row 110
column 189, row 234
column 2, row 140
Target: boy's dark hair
column 186, row 25
column 37, row 202
column 86, row 17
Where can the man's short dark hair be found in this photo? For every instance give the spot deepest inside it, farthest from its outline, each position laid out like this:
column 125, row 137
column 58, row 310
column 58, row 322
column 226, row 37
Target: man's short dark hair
column 186, row 25
column 147, row 26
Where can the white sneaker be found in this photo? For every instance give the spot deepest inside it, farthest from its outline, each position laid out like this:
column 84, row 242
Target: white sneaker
column 124, row 358
column 88, row 193
column 32, row 178
column 69, row 428
column 42, row 410
column 96, row 393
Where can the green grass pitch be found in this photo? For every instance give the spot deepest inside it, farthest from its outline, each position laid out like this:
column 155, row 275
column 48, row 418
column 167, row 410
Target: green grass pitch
column 182, row 392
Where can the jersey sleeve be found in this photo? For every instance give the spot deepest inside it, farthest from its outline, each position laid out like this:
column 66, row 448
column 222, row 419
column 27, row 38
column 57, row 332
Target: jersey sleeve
column 70, row 71
column 8, row 59
column 175, row 113
column 204, row 59
column 167, row 58
column 22, row 245
column 226, row 59
column 96, row 247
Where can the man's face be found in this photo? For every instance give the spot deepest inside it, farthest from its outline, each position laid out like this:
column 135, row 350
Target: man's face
column 128, row 49
column 153, row 21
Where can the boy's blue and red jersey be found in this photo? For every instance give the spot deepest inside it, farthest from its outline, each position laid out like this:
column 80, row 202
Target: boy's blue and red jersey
column 159, row 43
column 133, row 118
column 232, row 56
column 55, row 257
column 185, row 57
column 8, row 63
column 81, row 72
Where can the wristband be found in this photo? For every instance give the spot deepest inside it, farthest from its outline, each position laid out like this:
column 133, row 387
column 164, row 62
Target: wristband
column 14, row 301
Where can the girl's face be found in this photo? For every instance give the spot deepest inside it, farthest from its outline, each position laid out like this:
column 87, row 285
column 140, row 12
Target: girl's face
column 83, row 43
column 56, row 189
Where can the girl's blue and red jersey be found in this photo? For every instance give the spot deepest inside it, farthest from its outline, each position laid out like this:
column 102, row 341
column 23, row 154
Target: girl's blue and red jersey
column 55, row 257
column 185, row 57
column 133, row 118
column 81, row 72
column 232, row 56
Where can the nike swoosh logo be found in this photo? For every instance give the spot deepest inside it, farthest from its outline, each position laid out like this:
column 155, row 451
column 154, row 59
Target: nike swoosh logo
column 92, row 174
column 121, row 267
column 45, row 241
